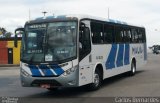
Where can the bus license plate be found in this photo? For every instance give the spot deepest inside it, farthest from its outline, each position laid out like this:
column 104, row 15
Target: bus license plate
column 45, row 86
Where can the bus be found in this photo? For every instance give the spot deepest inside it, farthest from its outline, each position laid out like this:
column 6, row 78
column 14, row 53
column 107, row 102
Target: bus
column 79, row 50
column 156, row 49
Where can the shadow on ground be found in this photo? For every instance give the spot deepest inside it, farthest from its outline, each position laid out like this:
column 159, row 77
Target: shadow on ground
column 80, row 91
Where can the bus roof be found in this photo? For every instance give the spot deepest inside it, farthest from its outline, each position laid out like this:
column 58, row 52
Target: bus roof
column 79, row 17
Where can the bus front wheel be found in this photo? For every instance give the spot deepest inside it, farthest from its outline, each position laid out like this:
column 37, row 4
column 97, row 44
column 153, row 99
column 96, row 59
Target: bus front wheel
column 97, row 81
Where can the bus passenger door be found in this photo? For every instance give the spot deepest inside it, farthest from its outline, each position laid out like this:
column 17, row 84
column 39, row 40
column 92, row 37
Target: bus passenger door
column 85, row 69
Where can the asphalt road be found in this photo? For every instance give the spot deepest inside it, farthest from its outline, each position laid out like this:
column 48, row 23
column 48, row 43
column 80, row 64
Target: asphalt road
column 146, row 83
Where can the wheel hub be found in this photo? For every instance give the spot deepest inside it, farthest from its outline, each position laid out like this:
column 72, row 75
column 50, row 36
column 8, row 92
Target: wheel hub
column 96, row 79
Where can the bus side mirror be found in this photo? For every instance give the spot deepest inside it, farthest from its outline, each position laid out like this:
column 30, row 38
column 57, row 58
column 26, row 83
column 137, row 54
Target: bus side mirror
column 16, row 41
column 20, row 32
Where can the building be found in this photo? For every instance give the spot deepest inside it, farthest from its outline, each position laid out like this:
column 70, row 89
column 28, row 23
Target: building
column 8, row 53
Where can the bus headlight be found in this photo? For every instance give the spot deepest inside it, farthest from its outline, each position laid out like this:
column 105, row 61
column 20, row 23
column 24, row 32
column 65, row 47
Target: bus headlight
column 24, row 73
column 69, row 71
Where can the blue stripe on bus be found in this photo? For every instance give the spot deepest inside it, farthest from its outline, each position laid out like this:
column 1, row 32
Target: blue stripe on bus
column 119, row 61
column 46, row 70
column 34, row 70
column 58, row 70
column 126, row 56
column 110, row 63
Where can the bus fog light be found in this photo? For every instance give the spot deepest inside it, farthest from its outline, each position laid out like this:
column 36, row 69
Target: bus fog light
column 69, row 71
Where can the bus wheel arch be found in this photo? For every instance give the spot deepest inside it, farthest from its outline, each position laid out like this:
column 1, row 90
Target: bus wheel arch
column 97, row 78
column 99, row 67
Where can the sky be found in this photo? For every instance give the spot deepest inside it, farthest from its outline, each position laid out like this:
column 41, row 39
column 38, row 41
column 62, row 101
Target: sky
column 14, row 13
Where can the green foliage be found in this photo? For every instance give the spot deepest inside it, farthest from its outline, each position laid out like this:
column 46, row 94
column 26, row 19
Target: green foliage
column 8, row 34
column 4, row 33
column 3, row 30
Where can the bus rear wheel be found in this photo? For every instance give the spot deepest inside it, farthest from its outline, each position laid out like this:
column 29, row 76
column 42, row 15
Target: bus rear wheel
column 133, row 69
column 97, row 81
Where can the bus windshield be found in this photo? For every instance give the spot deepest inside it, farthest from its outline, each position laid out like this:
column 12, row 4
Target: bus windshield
column 49, row 42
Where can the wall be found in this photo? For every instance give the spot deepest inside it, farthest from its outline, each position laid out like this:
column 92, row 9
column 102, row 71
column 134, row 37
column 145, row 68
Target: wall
column 16, row 51
column 3, row 52
column 5, row 44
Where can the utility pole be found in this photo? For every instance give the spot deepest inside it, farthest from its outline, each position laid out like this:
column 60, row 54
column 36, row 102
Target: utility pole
column 29, row 15
column 44, row 13
column 108, row 13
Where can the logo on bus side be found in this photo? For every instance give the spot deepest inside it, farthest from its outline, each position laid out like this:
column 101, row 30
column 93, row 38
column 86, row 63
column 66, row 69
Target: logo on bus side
column 99, row 57
column 137, row 50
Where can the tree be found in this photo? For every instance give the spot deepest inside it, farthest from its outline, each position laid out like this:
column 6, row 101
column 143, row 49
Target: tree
column 3, row 30
column 8, row 34
column 4, row 33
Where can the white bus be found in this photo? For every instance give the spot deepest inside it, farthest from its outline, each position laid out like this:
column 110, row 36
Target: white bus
column 77, row 50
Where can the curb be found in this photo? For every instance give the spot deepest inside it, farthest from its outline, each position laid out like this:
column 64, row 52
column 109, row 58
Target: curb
column 9, row 65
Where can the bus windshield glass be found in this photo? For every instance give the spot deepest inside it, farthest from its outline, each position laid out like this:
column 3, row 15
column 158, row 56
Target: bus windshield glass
column 49, row 42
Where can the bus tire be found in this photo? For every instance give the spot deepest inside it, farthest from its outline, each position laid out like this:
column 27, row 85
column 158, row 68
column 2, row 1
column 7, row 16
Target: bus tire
column 97, row 81
column 133, row 69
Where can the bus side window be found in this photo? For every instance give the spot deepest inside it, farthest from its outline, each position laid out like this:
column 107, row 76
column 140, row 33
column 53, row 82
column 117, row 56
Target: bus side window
column 134, row 35
column 130, row 35
column 143, row 36
column 119, row 34
column 127, row 35
column 140, row 35
column 108, row 33
column 97, row 33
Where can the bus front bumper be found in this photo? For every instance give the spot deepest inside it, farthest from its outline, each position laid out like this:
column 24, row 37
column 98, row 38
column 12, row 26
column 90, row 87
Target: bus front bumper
column 70, row 80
